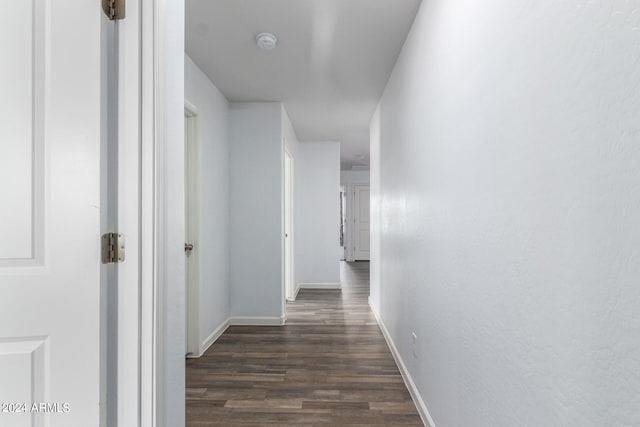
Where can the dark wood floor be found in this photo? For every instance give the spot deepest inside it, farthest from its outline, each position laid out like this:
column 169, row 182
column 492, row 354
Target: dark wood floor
column 329, row 365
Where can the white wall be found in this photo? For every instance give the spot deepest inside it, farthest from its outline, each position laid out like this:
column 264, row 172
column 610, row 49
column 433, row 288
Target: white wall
column 354, row 177
column 509, row 201
column 289, row 134
column 256, row 210
column 317, row 206
column 213, row 110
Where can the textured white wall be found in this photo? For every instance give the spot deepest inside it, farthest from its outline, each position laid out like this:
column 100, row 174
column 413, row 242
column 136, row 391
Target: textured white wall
column 289, row 135
column 509, row 202
column 317, row 212
column 256, row 155
column 354, row 177
column 213, row 110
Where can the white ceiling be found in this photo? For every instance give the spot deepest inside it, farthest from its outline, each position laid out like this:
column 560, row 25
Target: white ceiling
column 330, row 67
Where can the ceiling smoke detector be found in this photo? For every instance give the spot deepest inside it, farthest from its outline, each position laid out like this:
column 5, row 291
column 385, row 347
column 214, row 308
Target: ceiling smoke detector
column 266, row 41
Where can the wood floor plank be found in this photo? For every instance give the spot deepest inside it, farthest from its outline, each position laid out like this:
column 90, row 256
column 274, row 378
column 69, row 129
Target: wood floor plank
column 329, row 365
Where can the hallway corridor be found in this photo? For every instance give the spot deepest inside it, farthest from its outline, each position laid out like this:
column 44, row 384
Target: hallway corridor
column 329, row 365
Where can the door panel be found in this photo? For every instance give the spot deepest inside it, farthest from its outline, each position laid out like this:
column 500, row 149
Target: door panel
column 50, row 214
column 21, row 39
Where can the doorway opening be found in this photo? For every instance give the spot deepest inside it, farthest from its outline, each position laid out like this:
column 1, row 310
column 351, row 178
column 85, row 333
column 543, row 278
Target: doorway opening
column 193, row 214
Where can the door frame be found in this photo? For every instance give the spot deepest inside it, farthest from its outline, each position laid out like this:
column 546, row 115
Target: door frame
column 148, row 135
column 150, row 41
column 152, row 216
column 129, row 213
column 162, row 213
column 193, row 228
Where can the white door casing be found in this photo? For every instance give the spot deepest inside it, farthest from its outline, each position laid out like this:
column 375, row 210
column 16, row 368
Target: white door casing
column 361, row 223
column 50, row 139
column 130, row 193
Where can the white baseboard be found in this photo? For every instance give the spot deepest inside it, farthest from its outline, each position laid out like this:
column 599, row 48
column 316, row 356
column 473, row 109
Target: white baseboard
column 257, row 321
column 415, row 395
column 319, row 286
column 240, row 321
column 213, row 337
column 295, row 294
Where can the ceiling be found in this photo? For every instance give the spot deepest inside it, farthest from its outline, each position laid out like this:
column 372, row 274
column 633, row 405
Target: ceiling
column 331, row 64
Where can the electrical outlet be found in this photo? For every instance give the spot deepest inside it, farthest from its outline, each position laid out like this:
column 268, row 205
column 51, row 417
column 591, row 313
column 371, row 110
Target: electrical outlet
column 414, row 342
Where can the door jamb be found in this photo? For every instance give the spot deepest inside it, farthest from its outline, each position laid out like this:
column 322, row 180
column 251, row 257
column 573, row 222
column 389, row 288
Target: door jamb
column 155, row 85
column 129, row 49
column 152, row 280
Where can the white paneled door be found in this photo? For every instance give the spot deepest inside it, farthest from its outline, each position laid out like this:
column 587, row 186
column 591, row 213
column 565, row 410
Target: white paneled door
column 361, row 223
column 50, row 136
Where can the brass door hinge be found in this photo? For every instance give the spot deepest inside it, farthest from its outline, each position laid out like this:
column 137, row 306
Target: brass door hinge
column 114, row 9
column 112, row 248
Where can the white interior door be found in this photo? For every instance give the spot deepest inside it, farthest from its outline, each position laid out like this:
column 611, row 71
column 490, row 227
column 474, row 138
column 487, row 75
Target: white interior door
column 361, row 223
column 50, row 136
column 288, row 226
